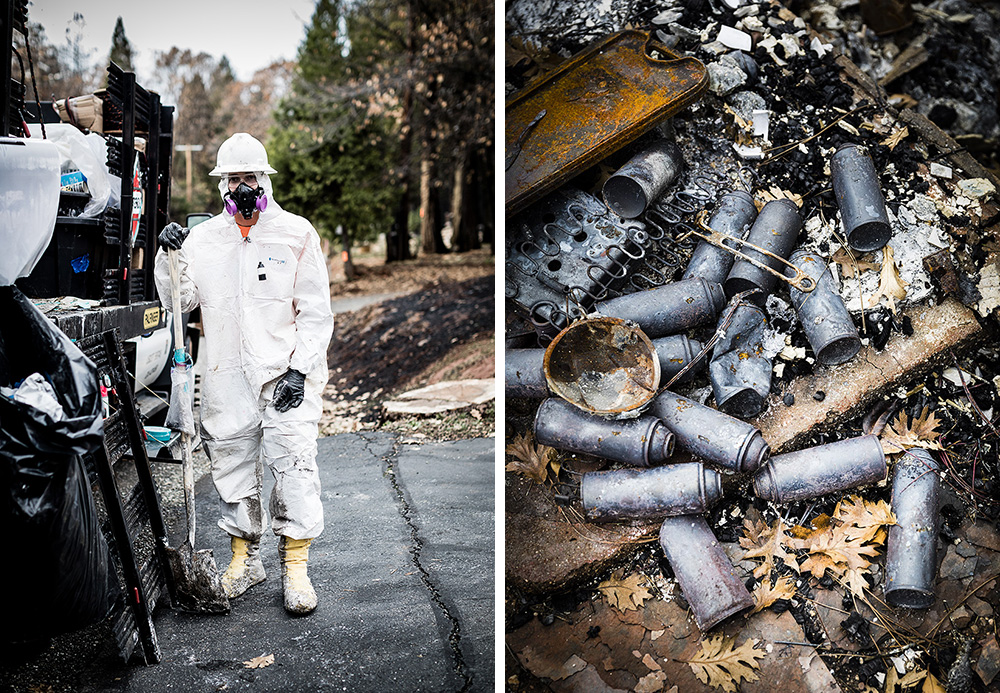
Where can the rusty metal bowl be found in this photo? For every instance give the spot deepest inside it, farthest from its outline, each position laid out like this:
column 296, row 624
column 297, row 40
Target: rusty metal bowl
column 602, row 365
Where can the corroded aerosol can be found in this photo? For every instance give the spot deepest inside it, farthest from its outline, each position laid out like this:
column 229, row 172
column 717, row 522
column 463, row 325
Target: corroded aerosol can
column 819, row 470
column 715, row 437
column 643, row 179
column 674, row 353
column 634, row 494
column 705, row 573
column 775, row 230
column 859, row 198
column 733, row 216
column 827, row 324
column 911, row 560
column 668, row 309
column 524, row 373
column 739, row 371
column 641, row 442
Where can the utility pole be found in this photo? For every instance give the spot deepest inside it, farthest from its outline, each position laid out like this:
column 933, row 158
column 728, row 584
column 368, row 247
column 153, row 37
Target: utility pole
column 187, row 149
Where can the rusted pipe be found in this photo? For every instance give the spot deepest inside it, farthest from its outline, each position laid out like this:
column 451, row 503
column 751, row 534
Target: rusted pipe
column 775, row 230
column 524, row 373
column 824, row 317
column 739, row 371
column 820, row 470
column 711, row 435
column 643, row 179
column 642, row 442
column 675, row 352
column 910, row 559
column 635, row 494
column 733, row 216
column 668, row 309
column 706, row 575
column 859, row 198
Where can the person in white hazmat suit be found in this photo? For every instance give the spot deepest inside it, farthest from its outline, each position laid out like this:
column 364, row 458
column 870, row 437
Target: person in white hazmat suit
column 261, row 280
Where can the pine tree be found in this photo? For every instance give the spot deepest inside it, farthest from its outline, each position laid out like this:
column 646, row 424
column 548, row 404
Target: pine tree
column 333, row 158
column 121, row 49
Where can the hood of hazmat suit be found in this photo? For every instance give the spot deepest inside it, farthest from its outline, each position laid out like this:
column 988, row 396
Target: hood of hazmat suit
column 265, row 305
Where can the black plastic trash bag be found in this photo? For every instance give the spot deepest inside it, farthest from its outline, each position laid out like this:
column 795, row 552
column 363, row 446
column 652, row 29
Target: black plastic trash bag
column 58, row 575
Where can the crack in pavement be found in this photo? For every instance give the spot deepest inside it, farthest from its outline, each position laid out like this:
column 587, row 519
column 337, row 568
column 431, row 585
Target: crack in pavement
column 455, row 636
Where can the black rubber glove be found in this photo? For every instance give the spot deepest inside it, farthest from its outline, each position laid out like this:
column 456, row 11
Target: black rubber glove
column 289, row 391
column 173, row 235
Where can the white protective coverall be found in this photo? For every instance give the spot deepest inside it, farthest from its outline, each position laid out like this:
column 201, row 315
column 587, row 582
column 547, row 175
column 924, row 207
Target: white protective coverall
column 265, row 307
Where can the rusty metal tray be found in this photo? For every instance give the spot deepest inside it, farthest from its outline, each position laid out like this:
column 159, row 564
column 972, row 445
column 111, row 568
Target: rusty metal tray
column 597, row 102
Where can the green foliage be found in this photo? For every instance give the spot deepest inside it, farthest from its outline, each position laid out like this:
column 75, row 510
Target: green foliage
column 121, row 49
column 334, row 160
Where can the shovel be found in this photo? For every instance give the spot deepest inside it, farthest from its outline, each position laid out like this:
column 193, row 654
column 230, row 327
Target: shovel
column 197, row 587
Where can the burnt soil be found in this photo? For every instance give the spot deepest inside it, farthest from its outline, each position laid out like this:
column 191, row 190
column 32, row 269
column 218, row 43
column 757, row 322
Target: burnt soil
column 440, row 328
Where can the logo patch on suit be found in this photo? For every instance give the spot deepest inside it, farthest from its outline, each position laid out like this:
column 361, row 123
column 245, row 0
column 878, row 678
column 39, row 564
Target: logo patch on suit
column 261, row 276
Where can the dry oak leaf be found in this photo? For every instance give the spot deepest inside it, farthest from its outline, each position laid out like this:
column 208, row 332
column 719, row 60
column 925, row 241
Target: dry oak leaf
column 802, row 537
column 764, row 595
column 767, row 543
column 259, row 662
column 862, row 519
column 849, row 267
column 846, row 558
column 531, row 460
column 775, row 193
column 932, row 685
column 896, row 137
column 903, row 433
column 890, row 285
column 625, row 594
column 721, row 665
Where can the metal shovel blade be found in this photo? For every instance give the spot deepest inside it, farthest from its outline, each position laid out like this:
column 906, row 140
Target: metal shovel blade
column 198, row 586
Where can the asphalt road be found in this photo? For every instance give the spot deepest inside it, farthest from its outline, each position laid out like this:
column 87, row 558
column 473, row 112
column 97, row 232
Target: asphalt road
column 405, row 577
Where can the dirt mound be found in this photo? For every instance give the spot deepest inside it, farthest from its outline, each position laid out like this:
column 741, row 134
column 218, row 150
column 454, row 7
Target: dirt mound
column 379, row 349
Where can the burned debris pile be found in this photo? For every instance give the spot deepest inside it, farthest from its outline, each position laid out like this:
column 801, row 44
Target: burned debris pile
column 760, row 326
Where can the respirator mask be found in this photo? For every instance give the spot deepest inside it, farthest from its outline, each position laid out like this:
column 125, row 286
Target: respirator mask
column 245, row 200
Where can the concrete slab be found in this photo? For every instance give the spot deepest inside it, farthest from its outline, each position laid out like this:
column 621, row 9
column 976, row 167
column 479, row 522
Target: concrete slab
column 852, row 386
column 403, row 571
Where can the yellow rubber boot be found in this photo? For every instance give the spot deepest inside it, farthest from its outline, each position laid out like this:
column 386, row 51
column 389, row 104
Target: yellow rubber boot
column 300, row 597
column 245, row 569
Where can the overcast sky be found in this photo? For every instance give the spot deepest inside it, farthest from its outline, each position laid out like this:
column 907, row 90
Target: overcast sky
column 251, row 33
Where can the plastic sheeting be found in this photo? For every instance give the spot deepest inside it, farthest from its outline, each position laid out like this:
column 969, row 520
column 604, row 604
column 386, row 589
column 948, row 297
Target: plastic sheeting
column 76, row 148
column 59, row 576
column 29, row 202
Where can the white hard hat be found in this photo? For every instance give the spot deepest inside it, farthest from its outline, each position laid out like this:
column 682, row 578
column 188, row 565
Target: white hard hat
column 241, row 153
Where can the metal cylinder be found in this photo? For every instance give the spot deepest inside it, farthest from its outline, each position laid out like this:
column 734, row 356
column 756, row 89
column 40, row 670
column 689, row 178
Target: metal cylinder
column 668, row 309
column 776, row 230
column 675, row 352
column 706, row 575
column 910, row 560
column 636, row 494
column 641, row 442
column 524, row 373
column 713, row 436
column 827, row 324
column 643, row 179
column 602, row 365
column 823, row 469
column 859, row 198
column 733, row 216
column 739, row 371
